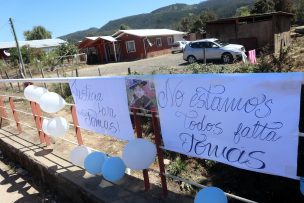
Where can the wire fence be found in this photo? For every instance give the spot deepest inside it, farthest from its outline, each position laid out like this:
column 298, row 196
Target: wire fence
column 136, row 114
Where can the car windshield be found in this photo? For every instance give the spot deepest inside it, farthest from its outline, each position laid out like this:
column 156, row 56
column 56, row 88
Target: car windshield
column 221, row 43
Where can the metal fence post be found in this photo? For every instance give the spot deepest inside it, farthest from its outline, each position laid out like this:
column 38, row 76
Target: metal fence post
column 76, row 125
column 159, row 153
column 139, row 135
column 3, row 112
column 15, row 114
column 37, row 118
column 39, row 113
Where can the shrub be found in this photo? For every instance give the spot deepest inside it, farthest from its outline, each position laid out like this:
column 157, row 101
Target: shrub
column 177, row 166
column 273, row 62
column 210, row 68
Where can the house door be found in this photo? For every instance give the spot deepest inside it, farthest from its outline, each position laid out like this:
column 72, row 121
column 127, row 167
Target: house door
column 92, row 56
column 118, row 51
column 109, row 52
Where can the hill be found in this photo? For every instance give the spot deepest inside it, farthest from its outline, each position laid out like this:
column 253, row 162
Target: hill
column 165, row 17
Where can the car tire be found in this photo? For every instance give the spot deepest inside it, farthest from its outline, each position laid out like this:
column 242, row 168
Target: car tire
column 191, row 59
column 227, row 58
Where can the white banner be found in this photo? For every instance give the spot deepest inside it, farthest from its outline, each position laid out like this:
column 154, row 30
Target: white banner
column 249, row 121
column 102, row 106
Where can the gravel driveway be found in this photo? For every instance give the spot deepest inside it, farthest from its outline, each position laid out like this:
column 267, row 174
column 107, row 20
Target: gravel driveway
column 145, row 66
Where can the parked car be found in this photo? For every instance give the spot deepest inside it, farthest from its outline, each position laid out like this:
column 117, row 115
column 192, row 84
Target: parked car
column 179, row 46
column 215, row 49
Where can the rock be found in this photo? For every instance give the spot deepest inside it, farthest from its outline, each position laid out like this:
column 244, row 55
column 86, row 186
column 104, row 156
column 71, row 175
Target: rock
column 299, row 30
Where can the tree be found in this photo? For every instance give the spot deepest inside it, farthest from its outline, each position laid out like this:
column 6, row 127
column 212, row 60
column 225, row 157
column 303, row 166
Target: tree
column 38, row 32
column 196, row 23
column 29, row 55
column 199, row 25
column 124, row 27
column 283, row 5
column 300, row 11
column 185, row 25
column 66, row 49
column 208, row 16
column 263, row 6
column 242, row 11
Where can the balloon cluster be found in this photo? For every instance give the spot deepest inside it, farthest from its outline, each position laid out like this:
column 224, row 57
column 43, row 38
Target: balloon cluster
column 138, row 154
column 49, row 102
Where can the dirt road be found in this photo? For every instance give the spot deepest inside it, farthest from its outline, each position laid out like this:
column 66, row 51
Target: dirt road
column 144, row 66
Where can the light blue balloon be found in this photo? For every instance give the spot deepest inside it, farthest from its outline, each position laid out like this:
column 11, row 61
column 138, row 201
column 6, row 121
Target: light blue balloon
column 210, row 195
column 302, row 186
column 113, row 169
column 93, row 162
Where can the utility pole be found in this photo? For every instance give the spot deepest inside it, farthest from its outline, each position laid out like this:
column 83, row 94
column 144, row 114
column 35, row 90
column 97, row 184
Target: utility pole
column 21, row 64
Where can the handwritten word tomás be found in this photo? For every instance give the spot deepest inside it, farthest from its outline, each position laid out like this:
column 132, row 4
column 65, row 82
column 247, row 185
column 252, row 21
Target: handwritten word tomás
column 93, row 119
column 199, row 145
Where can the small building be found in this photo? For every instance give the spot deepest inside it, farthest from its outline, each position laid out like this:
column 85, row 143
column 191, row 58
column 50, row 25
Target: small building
column 44, row 44
column 145, row 43
column 254, row 31
column 100, row 49
column 128, row 45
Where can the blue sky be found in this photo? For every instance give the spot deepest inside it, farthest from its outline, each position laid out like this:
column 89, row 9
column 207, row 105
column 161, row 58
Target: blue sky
column 65, row 16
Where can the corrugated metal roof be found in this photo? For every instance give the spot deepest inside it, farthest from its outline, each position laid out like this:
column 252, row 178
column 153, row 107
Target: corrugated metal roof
column 148, row 32
column 107, row 38
column 33, row 43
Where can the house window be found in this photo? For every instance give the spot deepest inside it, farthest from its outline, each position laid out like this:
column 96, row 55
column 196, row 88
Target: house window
column 130, row 46
column 170, row 40
column 158, row 42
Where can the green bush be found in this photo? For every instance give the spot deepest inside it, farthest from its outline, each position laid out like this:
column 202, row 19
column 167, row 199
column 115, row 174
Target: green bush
column 177, row 166
column 211, row 68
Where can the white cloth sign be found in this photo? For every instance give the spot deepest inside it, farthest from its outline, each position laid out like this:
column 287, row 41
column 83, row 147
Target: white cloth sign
column 249, row 121
column 102, row 106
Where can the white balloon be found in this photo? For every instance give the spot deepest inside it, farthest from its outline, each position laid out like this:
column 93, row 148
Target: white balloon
column 51, row 102
column 57, row 127
column 78, row 155
column 139, row 154
column 33, row 93
column 28, row 92
column 45, row 124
